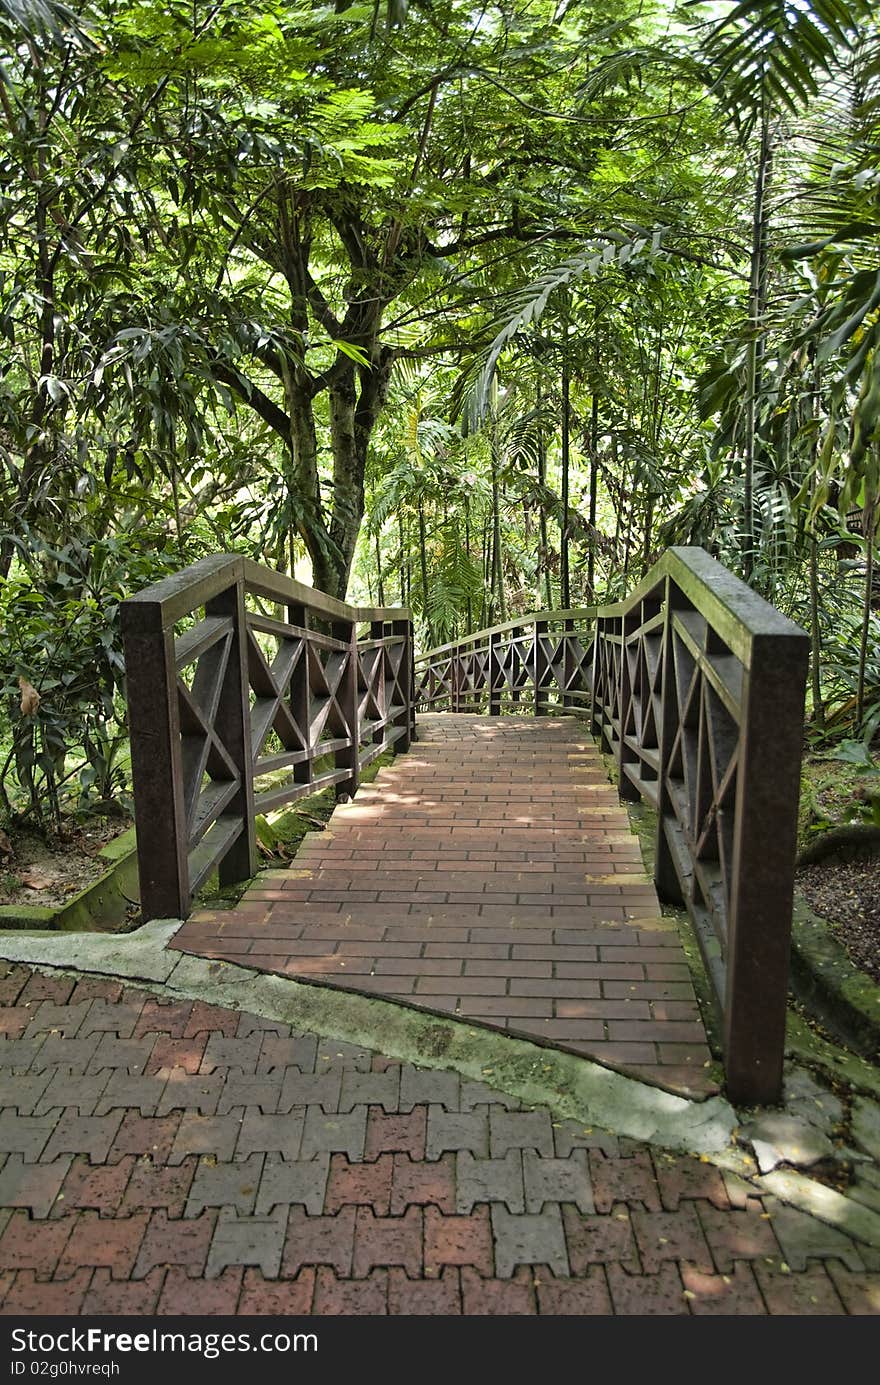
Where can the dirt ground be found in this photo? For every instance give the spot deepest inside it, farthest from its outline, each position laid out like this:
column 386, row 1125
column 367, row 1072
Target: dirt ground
column 46, row 870
column 847, row 894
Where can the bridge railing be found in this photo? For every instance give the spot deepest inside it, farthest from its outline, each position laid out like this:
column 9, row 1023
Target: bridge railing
column 246, row 691
column 696, row 685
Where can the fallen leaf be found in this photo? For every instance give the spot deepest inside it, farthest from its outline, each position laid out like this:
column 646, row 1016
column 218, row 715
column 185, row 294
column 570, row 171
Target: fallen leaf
column 30, row 698
column 37, row 880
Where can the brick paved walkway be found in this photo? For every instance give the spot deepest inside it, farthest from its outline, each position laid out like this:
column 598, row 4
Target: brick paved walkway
column 183, row 1158
column 492, row 874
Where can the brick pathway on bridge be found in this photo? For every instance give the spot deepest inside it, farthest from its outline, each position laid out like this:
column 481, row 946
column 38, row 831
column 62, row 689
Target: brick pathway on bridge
column 181, row 1158
column 492, row 874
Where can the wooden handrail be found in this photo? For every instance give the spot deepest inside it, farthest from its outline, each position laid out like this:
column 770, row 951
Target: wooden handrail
column 696, row 685
column 242, row 712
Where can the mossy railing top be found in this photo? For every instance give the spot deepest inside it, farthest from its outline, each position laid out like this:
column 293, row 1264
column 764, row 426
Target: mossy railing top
column 696, row 685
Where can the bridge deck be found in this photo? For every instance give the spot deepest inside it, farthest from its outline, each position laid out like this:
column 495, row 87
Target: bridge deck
column 490, row 874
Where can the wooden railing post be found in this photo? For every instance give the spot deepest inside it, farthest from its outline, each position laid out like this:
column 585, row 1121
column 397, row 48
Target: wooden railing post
column 347, row 698
column 625, row 755
column 378, row 632
column 493, row 674
column 539, row 664
column 156, row 762
column 759, row 925
column 665, row 875
column 232, row 724
column 298, row 694
column 406, row 718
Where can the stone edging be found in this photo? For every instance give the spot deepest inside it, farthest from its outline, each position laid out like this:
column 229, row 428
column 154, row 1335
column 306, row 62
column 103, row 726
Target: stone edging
column 826, row 979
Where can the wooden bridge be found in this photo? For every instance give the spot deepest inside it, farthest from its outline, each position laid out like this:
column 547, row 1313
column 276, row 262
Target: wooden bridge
column 491, row 873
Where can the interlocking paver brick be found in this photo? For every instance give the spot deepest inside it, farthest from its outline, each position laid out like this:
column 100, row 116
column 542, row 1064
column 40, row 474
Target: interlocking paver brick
column 205, row 1018
column 479, row 1094
column 804, row 1238
column 91, row 1135
column 214, row 1135
column 126, row 1090
column 47, row 986
column 163, row 1017
column 520, row 1130
column 310, row 1089
column 222, row 1052
column 277, row 1298
column 190, row 1092
column 405, row 1134
column 159, row 1185
column 571, row 1135
column 680, row 1176
column 723, row 1294
column 25, row 1245
column 424, row 1298
column 358, row 1297
column 458, row 1240
column 132, row 1054
column 663, row 1236
column 19, row 1054
column 270, row 1134
column 415, row 1182
column 482, row 1297
column 34, row 1186
column 424, row 1087
column 13, row 979
column 345, row 1134
column 145, row 1135
column 29, row 1296
column 294, row 1181
column 80, row 1094
column 294, row 1051
column 628, row 1179
column 383, row 1241
column 811, row 1292
column 22, row 1092
column 175, row 1241
column 368, row 1184
column 370, row 1089
column 647, row 1295
column 557, row 1180
column 453, row 1130
column 100, row 1187
column 225, row 1185
column 50, row 1018
column 588, row 1297
column 536, row 1239
column 259, row 1091
column 117, row 1017
column 599, row 1239
column 200, row 1298
column 489, row 1180
column 25, row 1135
column 102, row 1241
column 860, row 1293
column 321, row 1240
column 128, row 1298
column 735, row 1235
column 247, row 1241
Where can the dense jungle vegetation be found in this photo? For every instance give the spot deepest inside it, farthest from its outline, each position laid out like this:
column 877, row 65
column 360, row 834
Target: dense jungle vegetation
column 475, row 308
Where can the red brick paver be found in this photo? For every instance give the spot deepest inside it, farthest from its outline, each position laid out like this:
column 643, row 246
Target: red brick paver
column 490, row 874
column 493, row 1209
